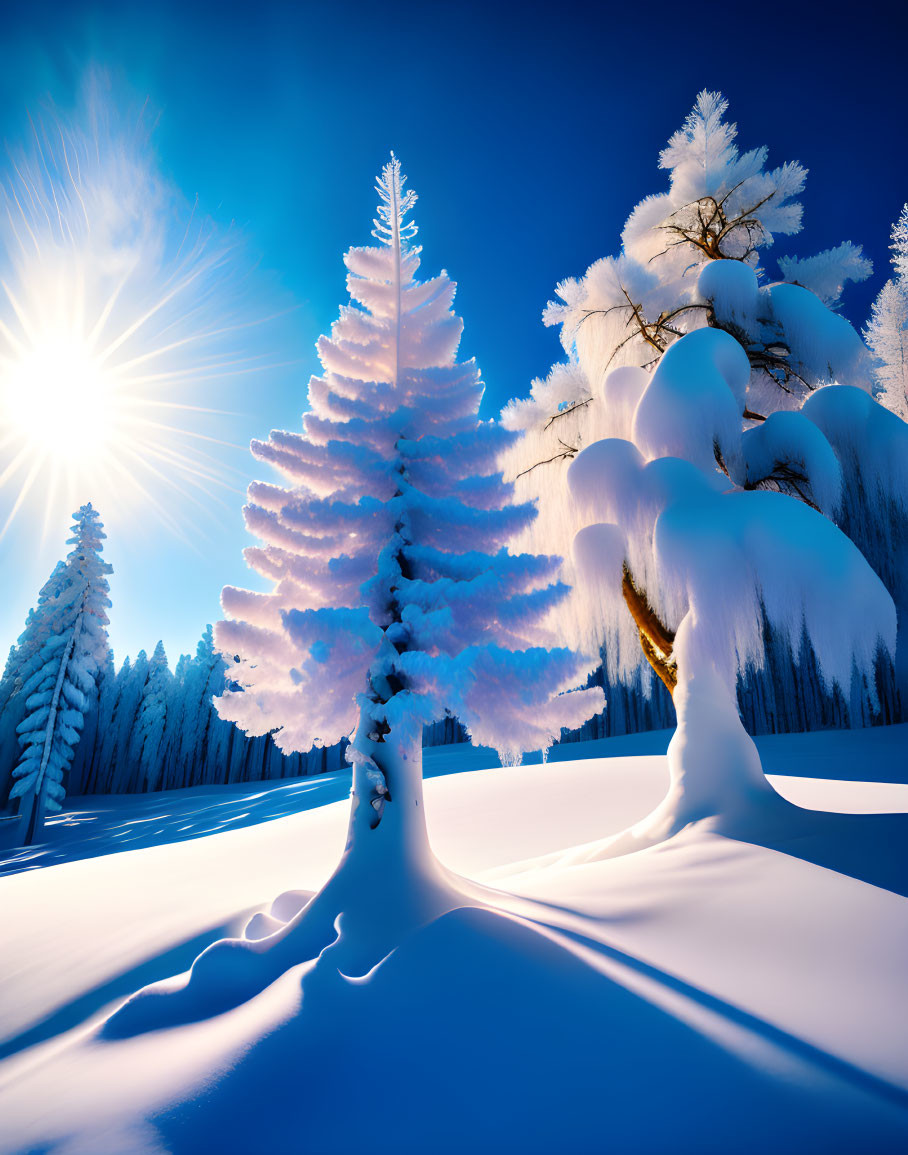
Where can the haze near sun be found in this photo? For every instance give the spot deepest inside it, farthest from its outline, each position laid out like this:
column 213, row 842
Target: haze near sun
column 117, row 301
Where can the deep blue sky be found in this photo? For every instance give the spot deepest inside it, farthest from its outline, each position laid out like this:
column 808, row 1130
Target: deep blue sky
column 529, row 131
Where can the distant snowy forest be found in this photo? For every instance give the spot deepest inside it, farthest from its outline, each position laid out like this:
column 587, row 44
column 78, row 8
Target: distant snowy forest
column 143, row 726
column 818, row 416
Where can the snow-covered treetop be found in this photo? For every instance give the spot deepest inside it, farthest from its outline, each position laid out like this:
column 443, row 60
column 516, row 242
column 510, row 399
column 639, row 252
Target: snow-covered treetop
column 720, row 200
column 77, row 585
column 721, row 205
column 88, row 530
column 395, row 598
column 85, row 568
column 389, row 226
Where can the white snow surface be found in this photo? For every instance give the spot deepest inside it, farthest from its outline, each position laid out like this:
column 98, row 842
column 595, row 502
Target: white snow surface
column 705, row 995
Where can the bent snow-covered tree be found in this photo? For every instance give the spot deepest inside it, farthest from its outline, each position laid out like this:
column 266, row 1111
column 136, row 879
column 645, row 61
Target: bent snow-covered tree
column 691, row 260
column 63, row 671
column 717, row 562
column 395, row 601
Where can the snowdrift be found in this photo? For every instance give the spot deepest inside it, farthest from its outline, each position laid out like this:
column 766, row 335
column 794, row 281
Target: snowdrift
column 706, row 995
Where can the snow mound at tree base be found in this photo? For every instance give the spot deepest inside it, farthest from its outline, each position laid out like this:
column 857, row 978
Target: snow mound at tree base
column 482, row 1031
column 438, row 1049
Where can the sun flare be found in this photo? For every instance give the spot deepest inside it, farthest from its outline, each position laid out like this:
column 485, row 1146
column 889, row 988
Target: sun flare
column 119, row 312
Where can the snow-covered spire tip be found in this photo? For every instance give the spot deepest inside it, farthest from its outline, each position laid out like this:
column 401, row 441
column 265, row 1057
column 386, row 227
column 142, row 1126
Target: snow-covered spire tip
column 395, row 204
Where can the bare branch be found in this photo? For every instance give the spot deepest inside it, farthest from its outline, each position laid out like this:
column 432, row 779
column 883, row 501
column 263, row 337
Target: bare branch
column 782, row 478
column 569, row 451
column 565, row 412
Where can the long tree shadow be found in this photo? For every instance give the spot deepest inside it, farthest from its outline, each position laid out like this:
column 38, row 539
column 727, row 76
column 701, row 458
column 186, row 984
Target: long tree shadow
column 730, row 1013
column 99, row 825
column 80, row 1010
column 503, row 1005
column 870, row 847
column 487, row 1020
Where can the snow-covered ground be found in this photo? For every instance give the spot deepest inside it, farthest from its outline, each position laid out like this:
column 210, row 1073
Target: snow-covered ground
column 705, row 995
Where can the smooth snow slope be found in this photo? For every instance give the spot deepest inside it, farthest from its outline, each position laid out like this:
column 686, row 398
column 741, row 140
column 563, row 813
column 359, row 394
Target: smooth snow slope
column 704, row 996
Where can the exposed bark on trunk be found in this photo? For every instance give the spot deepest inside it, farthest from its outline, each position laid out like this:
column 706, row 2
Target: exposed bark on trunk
column 656, row 639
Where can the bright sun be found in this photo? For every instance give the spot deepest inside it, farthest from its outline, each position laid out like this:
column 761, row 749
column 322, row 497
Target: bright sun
column 58, row 396
column 117, row 312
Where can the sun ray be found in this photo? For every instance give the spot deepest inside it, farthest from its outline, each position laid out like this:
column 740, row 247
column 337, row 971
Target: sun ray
column 24, row 491
column 168, row 482
column 120, row 310
column 161, row 511
column 13, row 465
column 106, row 311
column 148, row 402
column 53, row 485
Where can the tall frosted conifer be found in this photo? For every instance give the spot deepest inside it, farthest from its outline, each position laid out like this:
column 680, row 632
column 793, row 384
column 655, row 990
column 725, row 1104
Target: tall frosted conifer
column 395, row 601
column 23, row 661
column 73, row 620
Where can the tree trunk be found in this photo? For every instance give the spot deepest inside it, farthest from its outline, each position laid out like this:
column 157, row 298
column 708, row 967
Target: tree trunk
column 715, row 774
column 389, row 831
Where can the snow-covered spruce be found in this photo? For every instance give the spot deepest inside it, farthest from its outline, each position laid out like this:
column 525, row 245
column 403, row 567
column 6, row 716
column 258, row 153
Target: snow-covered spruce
column 22, row 662
column 147, row 752
column 887, row 330
column 694, row 566
column 203, row 678
column 73, row 621
column 395, row 602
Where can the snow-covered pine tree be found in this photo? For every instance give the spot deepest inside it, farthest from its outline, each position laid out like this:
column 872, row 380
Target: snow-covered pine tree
column 10, row 717
column 204, row 678
column 169, row 777
column 887, row 330
column 80, row 766
column 146, row 745
column 124, row 755
column 21, row 664
column 192, row 723
column 57, row 693
column 110, row 741
column 395, row 601
column 95, row 776
column 690, row 260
